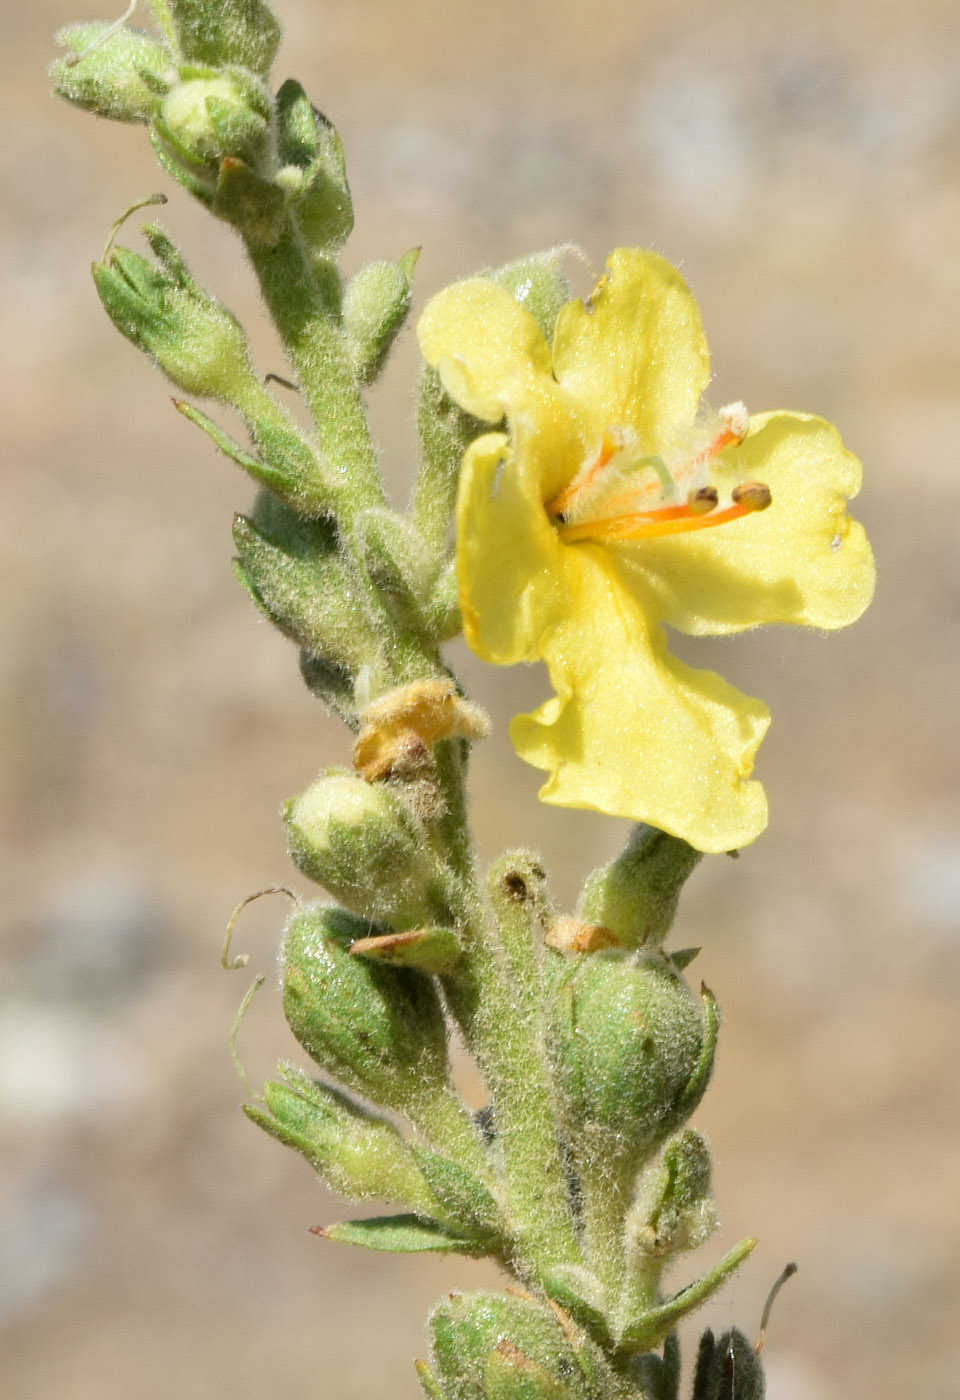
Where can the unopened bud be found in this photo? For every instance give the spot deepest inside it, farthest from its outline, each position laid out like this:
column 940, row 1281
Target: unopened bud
column 379, row 1030
column 375, row 306
column 203, row 120
column 307, row 143
column 188, row 334
column 626, row 1036
column 494, row 1346
column 113, row 71
column 224, row 33
column 360, row 842
column 356, row 1152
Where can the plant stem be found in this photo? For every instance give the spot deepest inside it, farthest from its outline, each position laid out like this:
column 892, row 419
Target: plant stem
column 315, row 346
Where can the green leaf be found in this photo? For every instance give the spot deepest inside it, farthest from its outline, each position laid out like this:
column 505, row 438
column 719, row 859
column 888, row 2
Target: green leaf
column 402, row 1234
column 265, row 475
column 458, row 1191
column 649, row 1330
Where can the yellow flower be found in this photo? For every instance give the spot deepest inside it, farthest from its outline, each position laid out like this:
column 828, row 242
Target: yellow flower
column 612, row 504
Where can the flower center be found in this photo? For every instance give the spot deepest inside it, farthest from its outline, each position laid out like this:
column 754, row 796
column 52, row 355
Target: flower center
column 621, row 495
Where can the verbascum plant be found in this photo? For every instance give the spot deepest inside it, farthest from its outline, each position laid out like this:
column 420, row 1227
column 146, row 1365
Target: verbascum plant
column 573, row 494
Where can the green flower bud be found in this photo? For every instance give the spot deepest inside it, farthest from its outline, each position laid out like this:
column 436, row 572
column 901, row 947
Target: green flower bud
column 313, row 171
column 203, row 120
column 359, row 841
column 636, row 895
column 626, row 1037
column 244, row 33
column 379, row 1030
column 375, row 306
column 674, row 1209
column 190, row 335
column 539, row 283
column 728, row 1369
column 355, row 1152
column 491, row 1346
column 123, row 74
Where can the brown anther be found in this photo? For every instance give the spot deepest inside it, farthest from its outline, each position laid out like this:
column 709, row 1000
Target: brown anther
column 754, row 495
column 704, row 500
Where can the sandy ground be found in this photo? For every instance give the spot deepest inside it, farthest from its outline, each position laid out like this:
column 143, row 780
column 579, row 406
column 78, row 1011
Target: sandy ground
column 802, row 164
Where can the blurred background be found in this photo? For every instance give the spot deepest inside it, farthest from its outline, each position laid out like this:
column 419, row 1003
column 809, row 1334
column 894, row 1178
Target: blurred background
column 800, row 161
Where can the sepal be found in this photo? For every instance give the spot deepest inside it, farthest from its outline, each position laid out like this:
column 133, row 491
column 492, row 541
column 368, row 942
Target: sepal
column 539, row 283
column 433, row 950
column 674, row 1208
column 463, row 1196
column 395, row 561
column 313, row 171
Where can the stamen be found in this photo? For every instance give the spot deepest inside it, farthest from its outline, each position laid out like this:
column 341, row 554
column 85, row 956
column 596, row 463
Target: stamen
column 610, row 445
column 671, row 520
column 703, row 501
column 755, row 495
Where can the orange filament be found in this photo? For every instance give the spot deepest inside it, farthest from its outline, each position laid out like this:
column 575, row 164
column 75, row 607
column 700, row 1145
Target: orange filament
column 609, row 447
column 670, row 520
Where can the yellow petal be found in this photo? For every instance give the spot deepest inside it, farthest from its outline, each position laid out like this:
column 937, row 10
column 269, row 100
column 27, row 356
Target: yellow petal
column 487, row 348
column 803, row 560
column 632, row 731
column 509, row 560
column 637, row 353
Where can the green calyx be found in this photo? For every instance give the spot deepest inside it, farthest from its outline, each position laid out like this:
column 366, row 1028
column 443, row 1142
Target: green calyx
column 375, row 305
column 673, row 1208
column 539, row 283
